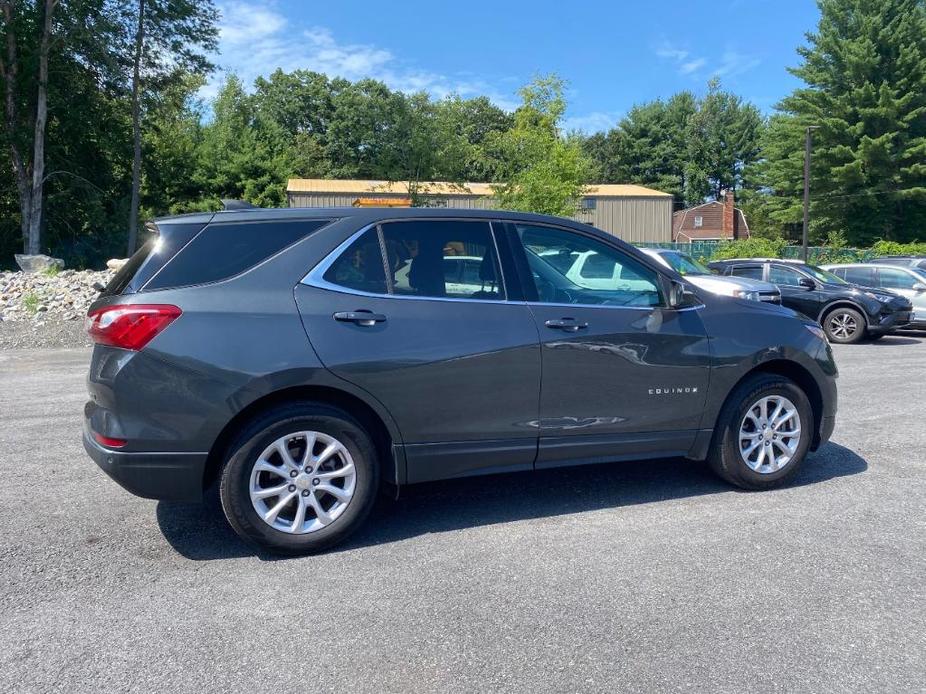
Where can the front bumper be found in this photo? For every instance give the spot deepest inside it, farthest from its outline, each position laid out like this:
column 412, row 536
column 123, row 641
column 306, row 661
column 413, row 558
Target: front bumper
column 166, row 476
column 890, row 322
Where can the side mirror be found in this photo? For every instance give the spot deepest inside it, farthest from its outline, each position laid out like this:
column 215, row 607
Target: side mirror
column 919, row 287
column 679, row 297
column 807, row 283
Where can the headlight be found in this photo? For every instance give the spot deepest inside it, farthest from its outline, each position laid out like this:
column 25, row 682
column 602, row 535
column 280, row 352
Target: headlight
column 883, row 298
column 747, row 294
column 816, row 330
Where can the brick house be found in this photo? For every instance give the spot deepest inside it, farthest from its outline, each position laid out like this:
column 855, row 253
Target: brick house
column 712, row 221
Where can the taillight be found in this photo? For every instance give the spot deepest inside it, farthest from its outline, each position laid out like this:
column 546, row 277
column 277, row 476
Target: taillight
column 109, row 441
column 129, row 326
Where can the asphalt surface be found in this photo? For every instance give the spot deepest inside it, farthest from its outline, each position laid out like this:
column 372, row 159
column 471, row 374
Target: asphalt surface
column 638, row 576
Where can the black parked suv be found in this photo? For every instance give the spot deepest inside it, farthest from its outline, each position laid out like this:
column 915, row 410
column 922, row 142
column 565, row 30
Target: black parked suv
column 301, row 358
column 848, row 313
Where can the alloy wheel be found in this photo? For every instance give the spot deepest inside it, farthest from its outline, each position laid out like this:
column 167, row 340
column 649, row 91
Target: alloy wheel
column 302, row 482
column 842, row 325
column 770, row 434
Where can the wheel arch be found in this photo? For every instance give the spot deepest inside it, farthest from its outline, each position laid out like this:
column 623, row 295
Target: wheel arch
column 842, row 303
column 383, row 436
column 797, row 373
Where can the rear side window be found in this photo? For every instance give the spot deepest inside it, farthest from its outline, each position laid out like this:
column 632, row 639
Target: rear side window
column 221, row 251
column 439, row 258
column 858, row 275
column 151, row 257
column 454, row 259
column 360, row 267
column 751, row 271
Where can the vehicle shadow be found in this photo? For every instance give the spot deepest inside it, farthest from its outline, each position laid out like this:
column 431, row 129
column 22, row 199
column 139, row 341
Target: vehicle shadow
column 897, row 340
column 200, row 531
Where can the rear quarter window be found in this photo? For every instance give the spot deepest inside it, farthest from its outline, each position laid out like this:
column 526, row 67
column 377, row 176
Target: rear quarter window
column 221, row 251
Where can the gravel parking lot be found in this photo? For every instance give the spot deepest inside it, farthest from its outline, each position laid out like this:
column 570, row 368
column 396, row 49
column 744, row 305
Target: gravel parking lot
column 638, row 576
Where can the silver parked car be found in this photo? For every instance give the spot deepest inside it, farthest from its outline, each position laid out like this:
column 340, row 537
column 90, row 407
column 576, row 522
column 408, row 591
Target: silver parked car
column 906, row 281
column 702, row 277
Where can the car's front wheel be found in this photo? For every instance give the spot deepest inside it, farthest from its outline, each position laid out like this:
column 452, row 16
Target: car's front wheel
column 844, row 326
column 299, row 479
column 763, row 433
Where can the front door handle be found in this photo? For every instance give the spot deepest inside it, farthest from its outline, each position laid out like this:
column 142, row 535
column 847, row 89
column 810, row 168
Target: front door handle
column 569, row 325
column 361, row 317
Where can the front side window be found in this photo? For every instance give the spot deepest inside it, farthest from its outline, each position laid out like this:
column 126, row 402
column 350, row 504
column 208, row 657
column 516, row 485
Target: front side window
column 784, row 275
column 569, row 268
column 433, row 259
column 895, row 279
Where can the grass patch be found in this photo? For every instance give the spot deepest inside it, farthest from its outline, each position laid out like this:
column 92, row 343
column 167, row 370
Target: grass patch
column 51, row 271
column 30, row 302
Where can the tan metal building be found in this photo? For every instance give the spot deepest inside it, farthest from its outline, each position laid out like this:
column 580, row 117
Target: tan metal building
column 630, row 212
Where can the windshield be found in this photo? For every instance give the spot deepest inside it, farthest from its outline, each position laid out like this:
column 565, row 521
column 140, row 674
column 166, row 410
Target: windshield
column 823, row 276
column 684, row 264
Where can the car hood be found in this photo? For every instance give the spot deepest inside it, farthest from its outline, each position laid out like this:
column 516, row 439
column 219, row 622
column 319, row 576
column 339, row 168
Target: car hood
column 719, row 285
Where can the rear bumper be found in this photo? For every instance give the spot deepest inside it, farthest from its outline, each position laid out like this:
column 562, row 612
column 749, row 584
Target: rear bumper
column 167, row 476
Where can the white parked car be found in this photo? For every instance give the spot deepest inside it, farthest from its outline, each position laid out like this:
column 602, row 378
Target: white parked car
column 906, row 281
column 702, row 277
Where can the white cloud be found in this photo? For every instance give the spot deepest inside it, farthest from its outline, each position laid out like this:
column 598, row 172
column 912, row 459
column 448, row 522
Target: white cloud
column 255, row 39
column 733, row 63
column 690, row 66
column 687, row 64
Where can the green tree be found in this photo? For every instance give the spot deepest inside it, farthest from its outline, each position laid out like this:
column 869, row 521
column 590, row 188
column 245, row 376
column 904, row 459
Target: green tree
column 171, row 39
column 723, row 140
column 235, row 162
column 540, row 170
column 864, row 71
column 654, row 143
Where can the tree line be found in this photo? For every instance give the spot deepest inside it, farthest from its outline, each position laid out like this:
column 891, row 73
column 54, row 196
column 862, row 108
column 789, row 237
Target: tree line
column 103, row 129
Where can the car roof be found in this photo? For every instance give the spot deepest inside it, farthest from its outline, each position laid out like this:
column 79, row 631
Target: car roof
column 254, row 214
column 788, row 261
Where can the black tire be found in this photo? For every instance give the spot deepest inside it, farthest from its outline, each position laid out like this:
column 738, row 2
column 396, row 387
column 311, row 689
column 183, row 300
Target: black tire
column 835, row 321
column 234, row 488
column 724, row 457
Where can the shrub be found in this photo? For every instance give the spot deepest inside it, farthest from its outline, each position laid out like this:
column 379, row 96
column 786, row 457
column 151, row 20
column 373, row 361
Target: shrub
column 895, row 248
column 754, row 247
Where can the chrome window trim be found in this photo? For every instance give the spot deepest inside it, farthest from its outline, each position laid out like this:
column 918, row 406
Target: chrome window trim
column 315, row 276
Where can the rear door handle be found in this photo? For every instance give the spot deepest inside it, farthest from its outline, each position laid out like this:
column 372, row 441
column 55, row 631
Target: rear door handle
column 361, row 317
column 570, row 325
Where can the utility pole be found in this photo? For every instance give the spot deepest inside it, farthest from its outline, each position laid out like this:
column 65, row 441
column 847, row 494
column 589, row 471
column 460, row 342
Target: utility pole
column 807, row 143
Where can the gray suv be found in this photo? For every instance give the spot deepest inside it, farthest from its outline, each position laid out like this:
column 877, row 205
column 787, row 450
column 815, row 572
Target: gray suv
column 299, row 360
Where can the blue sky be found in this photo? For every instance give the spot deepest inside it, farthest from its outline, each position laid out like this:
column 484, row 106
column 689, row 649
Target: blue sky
column 613, row 54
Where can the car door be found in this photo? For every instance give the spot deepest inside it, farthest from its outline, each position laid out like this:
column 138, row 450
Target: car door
column 807, row 300
column 456, row 363
column 622, row 375
column 906, row 283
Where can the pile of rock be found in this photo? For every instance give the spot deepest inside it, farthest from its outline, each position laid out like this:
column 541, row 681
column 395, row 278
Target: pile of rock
column 61, row 295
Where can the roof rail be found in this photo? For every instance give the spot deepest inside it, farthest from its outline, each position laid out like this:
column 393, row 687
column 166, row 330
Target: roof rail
column 237, row 205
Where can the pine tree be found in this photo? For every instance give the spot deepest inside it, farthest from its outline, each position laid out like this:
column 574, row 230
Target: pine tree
column 865, row 75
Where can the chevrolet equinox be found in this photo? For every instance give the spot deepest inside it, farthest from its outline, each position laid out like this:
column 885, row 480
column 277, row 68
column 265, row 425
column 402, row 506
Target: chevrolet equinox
column 298, row 360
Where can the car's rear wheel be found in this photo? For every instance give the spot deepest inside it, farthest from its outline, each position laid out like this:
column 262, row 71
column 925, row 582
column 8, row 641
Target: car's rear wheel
column 844, row 326
column 299, row 479
column 763, row 433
